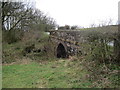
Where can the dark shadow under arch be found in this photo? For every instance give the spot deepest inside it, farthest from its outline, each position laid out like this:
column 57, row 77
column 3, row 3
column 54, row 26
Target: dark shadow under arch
column 61, row 52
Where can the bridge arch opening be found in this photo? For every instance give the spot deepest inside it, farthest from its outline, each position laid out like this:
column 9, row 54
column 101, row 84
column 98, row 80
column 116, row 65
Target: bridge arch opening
column 61, row 52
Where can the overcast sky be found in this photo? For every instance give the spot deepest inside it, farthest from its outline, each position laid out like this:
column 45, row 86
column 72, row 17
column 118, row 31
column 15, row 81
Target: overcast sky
column 79, row 12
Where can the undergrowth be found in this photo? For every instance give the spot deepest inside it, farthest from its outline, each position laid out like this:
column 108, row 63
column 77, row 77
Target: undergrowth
column 31, row 46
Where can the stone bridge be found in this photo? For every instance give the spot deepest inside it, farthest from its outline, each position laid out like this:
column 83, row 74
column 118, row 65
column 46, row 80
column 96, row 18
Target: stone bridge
column 66, row 42
column 72, row 42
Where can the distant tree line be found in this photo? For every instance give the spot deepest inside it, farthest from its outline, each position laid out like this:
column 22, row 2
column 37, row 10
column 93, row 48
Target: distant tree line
column 19, row 17
column 67, row 27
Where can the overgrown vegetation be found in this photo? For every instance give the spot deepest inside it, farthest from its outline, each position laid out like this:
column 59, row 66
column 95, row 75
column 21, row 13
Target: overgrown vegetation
column 31, row 46
column 28, row 56
column 100, row 56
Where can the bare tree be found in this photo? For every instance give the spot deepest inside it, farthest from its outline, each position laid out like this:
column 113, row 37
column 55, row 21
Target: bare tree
column 20, row 16
column 92, row 25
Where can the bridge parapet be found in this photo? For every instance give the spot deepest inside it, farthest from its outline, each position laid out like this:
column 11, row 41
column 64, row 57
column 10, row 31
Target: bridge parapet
column 69, row 35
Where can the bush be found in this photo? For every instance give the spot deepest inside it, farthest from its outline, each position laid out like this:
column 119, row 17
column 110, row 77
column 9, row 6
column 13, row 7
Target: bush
column 99, row 60
column 12, row 36
column 11, row 52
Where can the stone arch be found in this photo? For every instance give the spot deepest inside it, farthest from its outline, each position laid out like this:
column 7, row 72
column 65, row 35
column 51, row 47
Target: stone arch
column 61, row 51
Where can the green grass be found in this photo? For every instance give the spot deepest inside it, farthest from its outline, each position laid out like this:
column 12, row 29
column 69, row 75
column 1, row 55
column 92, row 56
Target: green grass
column 57, row 74
column 54, row 74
